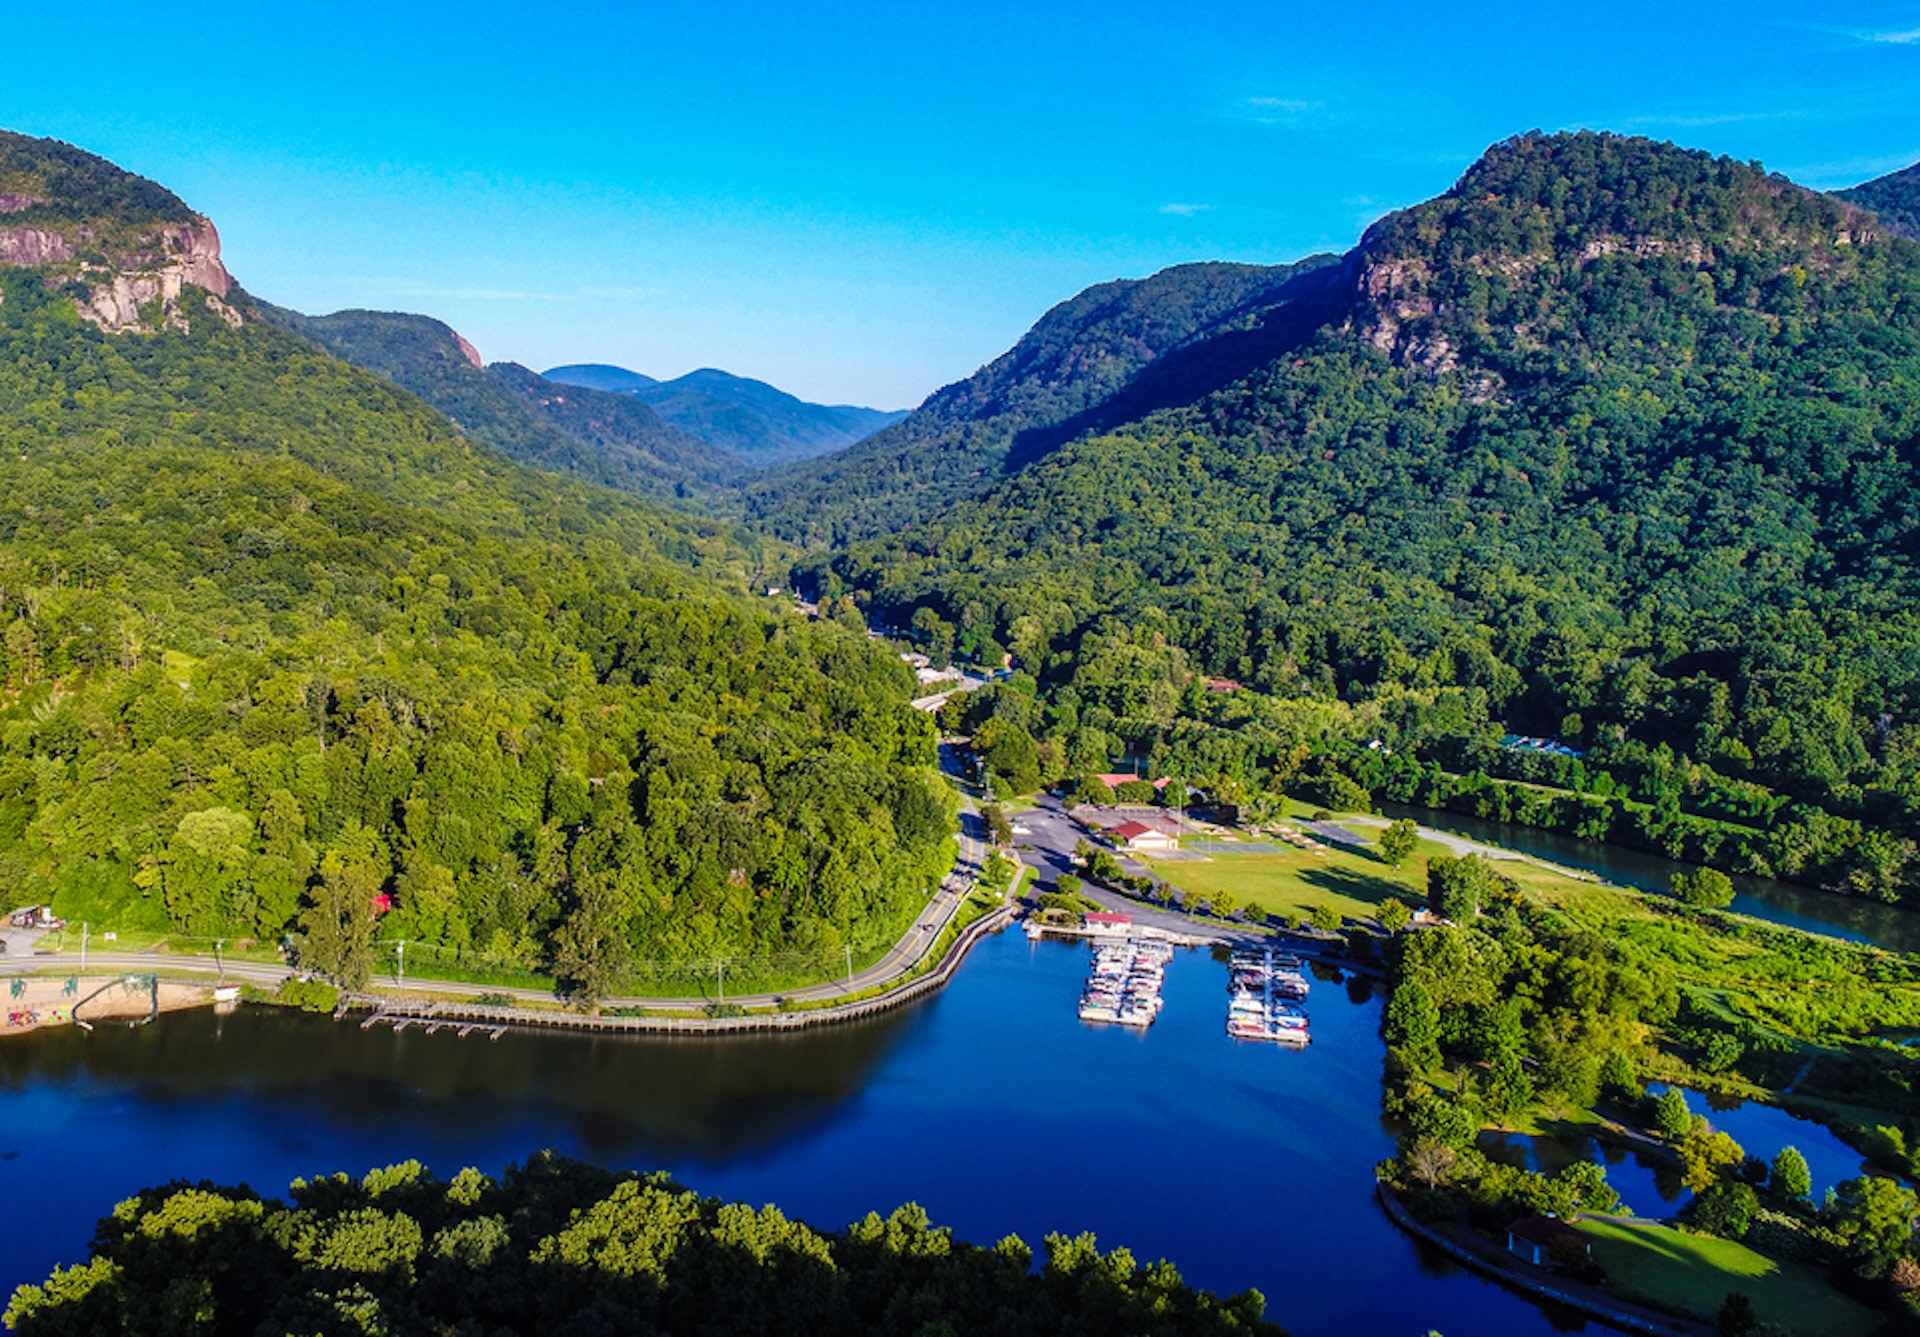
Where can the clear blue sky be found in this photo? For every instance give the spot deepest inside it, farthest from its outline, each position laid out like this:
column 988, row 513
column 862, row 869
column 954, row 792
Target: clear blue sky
column 863, row 201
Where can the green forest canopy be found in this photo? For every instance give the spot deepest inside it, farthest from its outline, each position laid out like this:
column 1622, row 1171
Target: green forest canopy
column 562, row 1249
column 1613, row 442
column 275, row 642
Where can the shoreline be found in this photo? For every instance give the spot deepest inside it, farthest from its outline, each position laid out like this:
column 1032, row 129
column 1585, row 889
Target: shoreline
column 48, row 1001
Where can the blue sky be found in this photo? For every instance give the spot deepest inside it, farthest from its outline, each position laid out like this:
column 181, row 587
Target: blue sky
column 861, row 202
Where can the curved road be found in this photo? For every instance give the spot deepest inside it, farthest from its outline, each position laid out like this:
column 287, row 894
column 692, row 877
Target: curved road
column 900, row 958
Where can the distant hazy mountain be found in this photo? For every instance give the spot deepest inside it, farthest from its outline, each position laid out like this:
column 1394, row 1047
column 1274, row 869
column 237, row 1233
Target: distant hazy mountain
column 599, row 376
column 1895, row 197
column 1110, row 354
column 605, row 438
column 750, row 420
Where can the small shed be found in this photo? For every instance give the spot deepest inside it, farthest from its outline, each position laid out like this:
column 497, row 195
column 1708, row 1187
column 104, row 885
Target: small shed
column 1535, row 1238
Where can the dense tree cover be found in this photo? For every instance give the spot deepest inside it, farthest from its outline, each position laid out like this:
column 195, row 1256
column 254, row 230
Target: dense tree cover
column 611, row 439
column 562, row 1249
column 1894, row 197
column 1523, row 1008
column 275, row 642
column 1613, row 442
column 69, row 185
column 1081, row 358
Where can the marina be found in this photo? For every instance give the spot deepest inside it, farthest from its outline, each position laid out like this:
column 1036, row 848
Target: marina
column 1267, row 997
column 1125, row 982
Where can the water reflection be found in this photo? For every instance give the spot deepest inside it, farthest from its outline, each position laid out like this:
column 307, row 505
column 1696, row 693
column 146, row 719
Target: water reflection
column 678, row 1098
column 1648, row 1180
column 992, row 1105
column 1776, row 902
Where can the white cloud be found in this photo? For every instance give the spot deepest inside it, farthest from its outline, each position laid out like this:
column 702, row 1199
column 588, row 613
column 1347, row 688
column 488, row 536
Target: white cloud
column 1696, row 122
column 1184, row 210
column 461, row 294
column 1290, row 104
column 1906, row 38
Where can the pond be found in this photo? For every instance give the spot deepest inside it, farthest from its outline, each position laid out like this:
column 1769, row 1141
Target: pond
column 992, row 1105
column 1650, row 1184
column 1782, row 903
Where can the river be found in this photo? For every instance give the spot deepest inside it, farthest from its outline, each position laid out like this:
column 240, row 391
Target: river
column 992, row 1105
column 1826, row 912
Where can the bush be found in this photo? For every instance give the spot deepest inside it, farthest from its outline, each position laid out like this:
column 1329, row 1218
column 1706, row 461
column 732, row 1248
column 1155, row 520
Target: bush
column 309, row 995
column 1726, row 1210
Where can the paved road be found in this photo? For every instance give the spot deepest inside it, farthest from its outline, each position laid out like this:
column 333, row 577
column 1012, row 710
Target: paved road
column 1047, row 846
column 913, row 944
column 967, row 683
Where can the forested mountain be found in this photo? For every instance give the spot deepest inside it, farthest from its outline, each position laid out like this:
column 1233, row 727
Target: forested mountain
column 1111, row 353
column 1613, row 441
column 280, row 648
column 750, row 420
column 1895, row 198
column 611, row 439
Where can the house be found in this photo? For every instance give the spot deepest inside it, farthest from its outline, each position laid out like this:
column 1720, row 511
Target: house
column 1139, row 838
column 1535, row 1239
column 1105, row 921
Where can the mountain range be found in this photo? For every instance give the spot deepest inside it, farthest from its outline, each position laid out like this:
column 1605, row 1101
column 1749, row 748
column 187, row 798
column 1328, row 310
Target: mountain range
column 1613, row 442
column 603, row 438
column 282, row 647
column 749, row 420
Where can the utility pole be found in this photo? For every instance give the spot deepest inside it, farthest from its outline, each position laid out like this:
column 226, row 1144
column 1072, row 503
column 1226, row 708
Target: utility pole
column 84, row 927
column 849, row 947
column 218, row 960
column 400, row 959
column 720, row 972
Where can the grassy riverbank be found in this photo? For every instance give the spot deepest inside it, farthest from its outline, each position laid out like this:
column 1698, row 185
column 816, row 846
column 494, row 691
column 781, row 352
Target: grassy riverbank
column 1693, row 1274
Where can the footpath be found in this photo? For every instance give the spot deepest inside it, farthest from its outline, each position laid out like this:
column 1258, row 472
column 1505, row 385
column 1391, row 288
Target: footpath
column 1509, row 1271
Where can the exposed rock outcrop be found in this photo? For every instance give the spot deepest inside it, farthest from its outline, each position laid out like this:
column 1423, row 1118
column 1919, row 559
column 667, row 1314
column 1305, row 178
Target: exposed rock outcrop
column 159, row 266
column 468, row 351
column 33, row 246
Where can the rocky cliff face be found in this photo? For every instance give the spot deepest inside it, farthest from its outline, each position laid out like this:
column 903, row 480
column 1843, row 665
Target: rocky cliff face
column 121, row 284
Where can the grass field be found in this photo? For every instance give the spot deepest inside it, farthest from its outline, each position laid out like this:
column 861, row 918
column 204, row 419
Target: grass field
column 1281, row 879
column 1676, row 1270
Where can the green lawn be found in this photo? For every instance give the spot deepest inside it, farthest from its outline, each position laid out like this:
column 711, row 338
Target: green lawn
column 1694, row 1272
column 1279, row 878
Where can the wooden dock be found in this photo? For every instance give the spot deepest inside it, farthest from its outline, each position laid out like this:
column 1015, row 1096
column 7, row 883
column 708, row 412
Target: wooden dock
column 466, row 1019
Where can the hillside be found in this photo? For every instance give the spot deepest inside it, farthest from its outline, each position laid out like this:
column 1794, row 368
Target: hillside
column 1894, row 197
column 1106, row 355
column 277, row 641
column 750, row 420
column 1613, row 441
column 604, row 438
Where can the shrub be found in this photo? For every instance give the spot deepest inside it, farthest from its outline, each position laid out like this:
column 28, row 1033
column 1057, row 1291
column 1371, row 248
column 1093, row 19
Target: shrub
column 309, row 995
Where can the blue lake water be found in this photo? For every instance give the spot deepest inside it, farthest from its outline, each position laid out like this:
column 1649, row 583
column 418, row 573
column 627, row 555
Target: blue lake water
column 1652, row 1187
column 992, row 1105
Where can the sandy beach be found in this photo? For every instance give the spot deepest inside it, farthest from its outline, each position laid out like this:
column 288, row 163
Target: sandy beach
column 47, row 1001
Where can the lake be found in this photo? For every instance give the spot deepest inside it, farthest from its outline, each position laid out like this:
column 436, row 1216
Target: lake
column 992, row 1105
